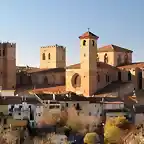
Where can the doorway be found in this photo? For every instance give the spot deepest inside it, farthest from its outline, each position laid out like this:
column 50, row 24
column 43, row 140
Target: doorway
column 119, row 76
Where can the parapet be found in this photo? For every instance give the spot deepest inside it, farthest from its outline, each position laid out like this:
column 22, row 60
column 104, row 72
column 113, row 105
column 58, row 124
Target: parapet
column 54, row 46
column 7, row 45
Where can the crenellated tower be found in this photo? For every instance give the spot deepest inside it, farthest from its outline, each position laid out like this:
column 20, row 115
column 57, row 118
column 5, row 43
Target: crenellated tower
column 53, row 57
column 8, row 65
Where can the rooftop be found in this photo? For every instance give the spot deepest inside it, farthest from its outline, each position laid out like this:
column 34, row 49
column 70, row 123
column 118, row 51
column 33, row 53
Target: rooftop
column 113, row 48
column 88, row 34
column 132, row 65
column 99, row 65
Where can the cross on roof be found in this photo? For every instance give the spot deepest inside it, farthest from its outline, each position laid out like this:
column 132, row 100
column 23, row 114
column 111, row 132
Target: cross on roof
column 88, row 29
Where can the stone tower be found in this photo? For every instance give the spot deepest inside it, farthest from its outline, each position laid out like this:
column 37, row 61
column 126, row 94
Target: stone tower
column 8, row 65
column 52, row 57
column 88, row 50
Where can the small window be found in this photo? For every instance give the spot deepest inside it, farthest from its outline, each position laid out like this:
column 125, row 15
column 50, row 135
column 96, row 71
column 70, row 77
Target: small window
column 51, row 106
column 105, row 58
column 78, row 106
column 3, row 52
column 49, row 56
column 98, row 77
column 119, row 60
column 5, row 121
column 97, row 58
column 129, row 76
column 66, row 104
column 43, row 56
column 19, row 113
column 0, row 52
column 10, row 114
column 93, row 43
column 57, row 106
column 84, row 42
column 84, row 55
column 107, row 78
column 126, row 58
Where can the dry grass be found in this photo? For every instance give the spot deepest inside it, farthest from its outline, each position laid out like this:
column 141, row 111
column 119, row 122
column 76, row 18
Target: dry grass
column 8, row 136
column 78, row 123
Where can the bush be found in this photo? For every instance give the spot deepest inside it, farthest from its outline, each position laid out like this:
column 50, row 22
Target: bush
column 115, row 129
column 91, row 138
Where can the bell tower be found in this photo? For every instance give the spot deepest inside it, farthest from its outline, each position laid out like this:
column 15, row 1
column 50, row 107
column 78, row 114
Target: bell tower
column 88, row 51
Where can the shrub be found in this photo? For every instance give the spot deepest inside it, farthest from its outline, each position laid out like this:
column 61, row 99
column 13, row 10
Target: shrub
column 115, row 129
column 91, row 138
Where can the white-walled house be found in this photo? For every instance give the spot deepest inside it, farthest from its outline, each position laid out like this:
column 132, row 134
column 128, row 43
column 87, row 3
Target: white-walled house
column 30, row 107
column 22, row 111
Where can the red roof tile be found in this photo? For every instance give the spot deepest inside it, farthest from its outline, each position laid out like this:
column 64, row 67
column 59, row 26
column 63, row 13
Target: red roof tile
column 133, row 65
column 88, row 35
column 35, row 70
column 112, row 48
column 99, row 65
column 56, row 90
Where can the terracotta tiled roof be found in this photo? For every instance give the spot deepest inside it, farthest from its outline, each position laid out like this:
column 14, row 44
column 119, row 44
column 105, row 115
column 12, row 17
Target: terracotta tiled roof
column 56, row 90
column 99, row 65
column 88, row 35
column 133, row 65
column 112, row 48
column 74, row 66
column 38, row 70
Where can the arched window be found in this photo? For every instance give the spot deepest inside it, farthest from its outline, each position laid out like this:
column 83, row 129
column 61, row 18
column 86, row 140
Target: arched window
column 76, row 80
column 3, row 52
column 93, row 42
column 129, row 76
column 43, row 56
column 107, row 78
column 119, row 60
column 97, row 58
column 126, row 58
column 105, row 58
column 49, row 56
column 84, row 42
column 98, row 77
column 45, row 80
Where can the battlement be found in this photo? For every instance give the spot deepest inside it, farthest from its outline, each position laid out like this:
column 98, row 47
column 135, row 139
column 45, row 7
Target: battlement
column 54, row 46
column 7, row 45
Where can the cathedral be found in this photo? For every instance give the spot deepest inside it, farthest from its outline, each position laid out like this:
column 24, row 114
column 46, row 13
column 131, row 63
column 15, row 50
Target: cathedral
column 103, row 71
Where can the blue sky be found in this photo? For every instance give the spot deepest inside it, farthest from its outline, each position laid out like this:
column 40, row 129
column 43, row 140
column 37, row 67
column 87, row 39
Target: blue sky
column 35, row 23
